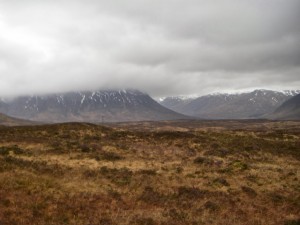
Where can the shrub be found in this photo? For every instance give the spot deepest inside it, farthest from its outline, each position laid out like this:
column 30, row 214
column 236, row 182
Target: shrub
column 142, row 221
column 15, row 149
column 179, row 169
column 108, row 156
column 111, row 156
column 105, row 221
column 148, row 172
column 238, row 166
column 118, row 176
column 220, row 153
column 210, row 206
column 249, row 191
column 292, row 222
column 191, row 192
column 221, row 182
column 115, row 194
column 201, row 160
column 85, row 148
column 177, row 215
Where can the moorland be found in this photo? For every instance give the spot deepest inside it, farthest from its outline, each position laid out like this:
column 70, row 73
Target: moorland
column 147, row 173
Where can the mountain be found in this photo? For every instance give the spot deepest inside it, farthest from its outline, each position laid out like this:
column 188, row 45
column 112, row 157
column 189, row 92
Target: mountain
column 98, row 106
column 10, row 121
column 249, row 105
column 176, row 103
column 289, row 110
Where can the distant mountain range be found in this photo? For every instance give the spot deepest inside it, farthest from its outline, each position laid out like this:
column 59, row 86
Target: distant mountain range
column 251, row 105
column 98, row 106
column 133, row 105
column 289, row 110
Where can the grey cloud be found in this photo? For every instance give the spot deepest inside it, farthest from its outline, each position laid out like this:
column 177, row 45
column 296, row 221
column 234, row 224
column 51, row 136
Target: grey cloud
column 162, row 47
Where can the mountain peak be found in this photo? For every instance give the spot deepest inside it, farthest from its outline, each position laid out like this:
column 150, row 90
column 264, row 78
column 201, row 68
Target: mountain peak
column 240, row 105
column 89, row 106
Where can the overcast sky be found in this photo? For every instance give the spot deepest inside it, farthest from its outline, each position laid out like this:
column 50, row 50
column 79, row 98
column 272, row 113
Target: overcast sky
column 163, row 47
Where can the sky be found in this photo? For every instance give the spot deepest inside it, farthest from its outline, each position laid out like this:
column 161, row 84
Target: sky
column 164, row 48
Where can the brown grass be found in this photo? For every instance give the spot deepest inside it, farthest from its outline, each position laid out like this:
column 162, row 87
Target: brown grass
column 205, row 172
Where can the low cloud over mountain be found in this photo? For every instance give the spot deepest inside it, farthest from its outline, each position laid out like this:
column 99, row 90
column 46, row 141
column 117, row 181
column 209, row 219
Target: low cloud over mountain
column 96, row 107
column 165, row 48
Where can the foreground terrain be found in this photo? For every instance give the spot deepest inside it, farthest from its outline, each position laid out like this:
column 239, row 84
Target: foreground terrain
column 184, row 172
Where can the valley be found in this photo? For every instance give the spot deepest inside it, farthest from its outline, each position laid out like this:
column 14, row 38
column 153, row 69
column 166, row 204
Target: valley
column 149, row 112
column 148, row 173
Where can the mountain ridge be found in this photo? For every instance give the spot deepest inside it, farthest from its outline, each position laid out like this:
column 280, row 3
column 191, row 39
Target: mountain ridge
column 289, row 110
column 88, row 106
column 245, row 105
column 11, row 121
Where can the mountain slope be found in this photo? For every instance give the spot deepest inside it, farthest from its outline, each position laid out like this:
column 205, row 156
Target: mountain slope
column 125, row 105
column 255, row 104
column 289, row 110
column 176, row 103
column 10, row 121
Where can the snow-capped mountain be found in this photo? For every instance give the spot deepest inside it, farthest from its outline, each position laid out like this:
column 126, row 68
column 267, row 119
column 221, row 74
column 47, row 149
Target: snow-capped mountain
column 255, row 104
column 110, row 105
column 176, row 103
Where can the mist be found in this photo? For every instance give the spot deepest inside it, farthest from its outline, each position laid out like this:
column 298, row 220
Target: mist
column 170, row 47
